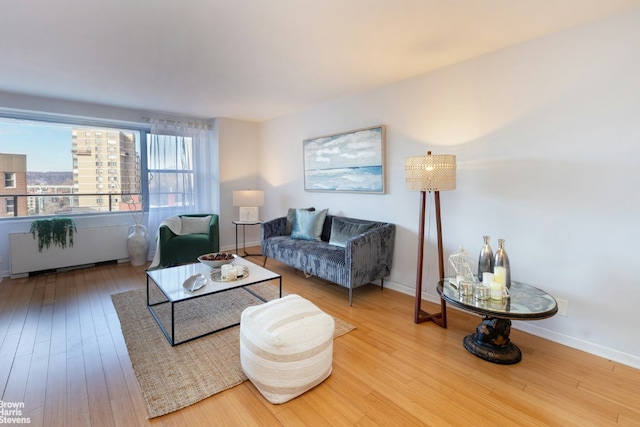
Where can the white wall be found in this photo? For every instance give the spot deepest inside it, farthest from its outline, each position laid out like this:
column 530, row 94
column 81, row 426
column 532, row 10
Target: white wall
column 239, row 162
column 547, row 140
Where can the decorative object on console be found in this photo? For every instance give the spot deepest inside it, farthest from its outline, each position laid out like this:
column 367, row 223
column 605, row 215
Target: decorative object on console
column 459, row 268
column 249, row 202
column 430, row 173
column 485, row 260
column 502, row 260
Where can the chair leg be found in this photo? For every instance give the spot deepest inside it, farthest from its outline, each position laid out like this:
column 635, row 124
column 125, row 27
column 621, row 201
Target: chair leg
column 265, row 261
column 381, row 283
column 350, row 297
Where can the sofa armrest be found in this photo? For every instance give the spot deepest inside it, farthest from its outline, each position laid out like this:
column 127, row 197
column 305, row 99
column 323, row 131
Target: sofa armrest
column 273, row 227
column 214, row 232
column 164, row 235
column 371, row 252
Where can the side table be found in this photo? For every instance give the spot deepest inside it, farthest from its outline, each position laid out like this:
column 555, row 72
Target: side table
column 243, row 224
column 491, row 339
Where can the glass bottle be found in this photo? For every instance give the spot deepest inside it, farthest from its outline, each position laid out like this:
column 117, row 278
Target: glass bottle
column 502, row 260
column 485, row 260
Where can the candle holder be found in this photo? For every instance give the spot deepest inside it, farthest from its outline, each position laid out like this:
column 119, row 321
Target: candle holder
column 465, row 288
column 482, row 292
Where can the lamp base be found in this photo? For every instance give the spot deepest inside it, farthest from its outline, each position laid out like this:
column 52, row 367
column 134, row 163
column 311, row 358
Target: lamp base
column 422, row 316
column 249, row 214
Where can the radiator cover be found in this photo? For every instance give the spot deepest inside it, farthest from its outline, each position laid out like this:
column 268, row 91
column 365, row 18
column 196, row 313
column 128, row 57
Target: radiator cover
column 90, row 246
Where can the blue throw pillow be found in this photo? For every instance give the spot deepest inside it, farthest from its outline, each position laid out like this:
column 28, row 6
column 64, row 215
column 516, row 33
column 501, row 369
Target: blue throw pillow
column 341, row 231
column 307, row 225
column 291, row 216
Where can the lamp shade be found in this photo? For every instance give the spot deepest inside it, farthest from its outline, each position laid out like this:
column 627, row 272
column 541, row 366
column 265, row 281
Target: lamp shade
column 431, row 172
column 249, row 198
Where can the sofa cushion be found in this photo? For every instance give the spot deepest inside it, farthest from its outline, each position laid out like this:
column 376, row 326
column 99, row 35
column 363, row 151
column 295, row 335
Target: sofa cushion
column 308, row 224
column 342, row 230
column 291, row 216
column 196, row 224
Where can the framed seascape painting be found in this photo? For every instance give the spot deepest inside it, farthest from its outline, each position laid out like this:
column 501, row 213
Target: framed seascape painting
column 350, row 162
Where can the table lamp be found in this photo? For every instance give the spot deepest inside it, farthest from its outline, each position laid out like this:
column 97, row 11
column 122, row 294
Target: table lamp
column 430, row 173
column 249, row 202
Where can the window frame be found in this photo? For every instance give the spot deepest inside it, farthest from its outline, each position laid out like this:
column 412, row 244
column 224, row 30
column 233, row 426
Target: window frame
column 9, row 177
column 143, row 130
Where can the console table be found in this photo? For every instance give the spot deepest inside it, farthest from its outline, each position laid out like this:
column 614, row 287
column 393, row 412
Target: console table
column 491, row 339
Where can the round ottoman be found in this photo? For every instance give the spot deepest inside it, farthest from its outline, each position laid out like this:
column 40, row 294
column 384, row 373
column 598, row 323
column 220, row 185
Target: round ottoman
column 286, row 347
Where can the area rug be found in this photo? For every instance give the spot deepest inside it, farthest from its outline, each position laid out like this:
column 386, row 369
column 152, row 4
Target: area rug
column 172, row 378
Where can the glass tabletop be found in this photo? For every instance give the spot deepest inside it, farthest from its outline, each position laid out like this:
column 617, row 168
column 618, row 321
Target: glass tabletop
column 524, row 302
column 171, row 280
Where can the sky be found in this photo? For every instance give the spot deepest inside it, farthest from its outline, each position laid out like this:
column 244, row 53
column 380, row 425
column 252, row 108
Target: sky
column 47, row 145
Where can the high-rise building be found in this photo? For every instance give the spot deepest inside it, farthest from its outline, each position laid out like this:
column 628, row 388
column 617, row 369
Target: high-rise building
column 13, row 171
column 104, row 161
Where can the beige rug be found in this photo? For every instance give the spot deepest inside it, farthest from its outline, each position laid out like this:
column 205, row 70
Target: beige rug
column 172, row 378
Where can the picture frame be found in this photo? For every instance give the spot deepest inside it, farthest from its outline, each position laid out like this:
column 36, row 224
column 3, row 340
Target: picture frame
column 352, row 161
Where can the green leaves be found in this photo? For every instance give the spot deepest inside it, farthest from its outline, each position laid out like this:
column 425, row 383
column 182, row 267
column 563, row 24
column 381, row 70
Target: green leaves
column 56, row 231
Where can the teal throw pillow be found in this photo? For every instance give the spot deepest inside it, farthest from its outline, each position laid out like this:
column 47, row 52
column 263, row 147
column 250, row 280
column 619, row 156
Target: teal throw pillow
column 307, row 225
column 291, row 216
column 341, row 231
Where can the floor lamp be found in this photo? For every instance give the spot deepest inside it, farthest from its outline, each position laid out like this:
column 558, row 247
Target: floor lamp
column 426, row 174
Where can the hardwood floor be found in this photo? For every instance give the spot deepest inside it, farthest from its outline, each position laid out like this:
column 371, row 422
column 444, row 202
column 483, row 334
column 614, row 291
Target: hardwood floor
column 62, row 354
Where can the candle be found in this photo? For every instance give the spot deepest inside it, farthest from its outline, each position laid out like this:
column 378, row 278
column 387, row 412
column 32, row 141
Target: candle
column 500, row 275
column 487, row 278
column 497, row 289
column 228, row 272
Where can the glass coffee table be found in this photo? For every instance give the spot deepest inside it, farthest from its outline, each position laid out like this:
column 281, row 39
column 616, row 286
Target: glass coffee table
column 179, row 286
column 491, row 339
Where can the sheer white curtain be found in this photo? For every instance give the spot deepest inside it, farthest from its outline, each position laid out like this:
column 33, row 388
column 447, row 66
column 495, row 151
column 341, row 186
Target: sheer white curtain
column 183, row 171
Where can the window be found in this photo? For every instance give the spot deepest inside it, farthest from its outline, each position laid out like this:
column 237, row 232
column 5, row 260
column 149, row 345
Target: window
column 64, row 158
column 171, row 172
column 10, row 180
column 9, row 206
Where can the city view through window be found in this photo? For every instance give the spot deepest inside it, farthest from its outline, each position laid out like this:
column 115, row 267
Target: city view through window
column 54, row 169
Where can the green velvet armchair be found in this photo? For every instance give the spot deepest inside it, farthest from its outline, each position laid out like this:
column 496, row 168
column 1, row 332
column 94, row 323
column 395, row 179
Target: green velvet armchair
column 183, row 248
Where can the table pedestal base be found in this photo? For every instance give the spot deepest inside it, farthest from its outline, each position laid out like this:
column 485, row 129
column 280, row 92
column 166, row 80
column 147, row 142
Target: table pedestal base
column 491, row 342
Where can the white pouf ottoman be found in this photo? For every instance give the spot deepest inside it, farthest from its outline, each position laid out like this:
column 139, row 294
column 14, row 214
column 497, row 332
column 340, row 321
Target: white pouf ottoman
column 286, row 347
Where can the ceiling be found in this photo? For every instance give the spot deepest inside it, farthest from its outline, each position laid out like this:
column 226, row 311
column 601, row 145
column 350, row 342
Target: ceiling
column 256, row 59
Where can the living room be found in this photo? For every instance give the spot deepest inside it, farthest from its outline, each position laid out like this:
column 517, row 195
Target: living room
column 529, row 124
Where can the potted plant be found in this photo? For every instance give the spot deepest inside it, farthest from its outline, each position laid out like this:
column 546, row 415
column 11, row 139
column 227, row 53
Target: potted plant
column 56, row 231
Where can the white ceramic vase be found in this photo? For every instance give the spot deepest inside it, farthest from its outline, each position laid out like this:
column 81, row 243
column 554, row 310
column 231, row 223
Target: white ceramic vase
column 138, row 245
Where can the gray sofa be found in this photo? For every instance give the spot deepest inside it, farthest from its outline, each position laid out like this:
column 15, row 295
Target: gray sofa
column 364, row 258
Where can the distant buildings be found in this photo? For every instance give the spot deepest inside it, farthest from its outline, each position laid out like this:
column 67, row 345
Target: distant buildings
column 13, row 168
column 105, row 162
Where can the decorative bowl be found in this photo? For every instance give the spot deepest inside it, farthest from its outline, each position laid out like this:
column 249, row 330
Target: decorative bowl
column 209, row 259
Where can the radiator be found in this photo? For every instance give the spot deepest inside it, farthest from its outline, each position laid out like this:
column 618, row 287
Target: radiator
column 90, row 245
